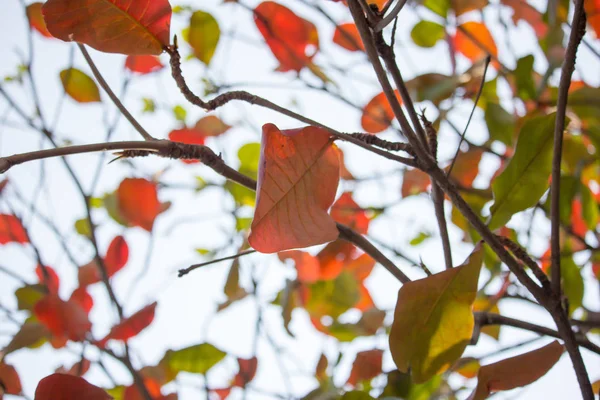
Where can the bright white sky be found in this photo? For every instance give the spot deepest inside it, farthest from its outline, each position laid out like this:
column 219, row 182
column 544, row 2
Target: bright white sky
column 185, row 305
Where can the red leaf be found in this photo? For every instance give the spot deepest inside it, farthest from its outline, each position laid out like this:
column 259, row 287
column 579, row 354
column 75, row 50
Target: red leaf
column 130, row 327
column 65, row 320
column 36, row 19
column 78, row 369
column 11, row 230
column 9, row 380
column 333, row 257
column 133, row 393
column 83, row 298
column 366, row 366
column 3, row 184
column 592, row 9
column 347, row 212
column 347, row 36
column 143, row 64
column 189, row 136
column 68, row 387
column 474, row 41
column 116, row 255
column 247, row 371
column 222, row 393
column 528, row 13
column 112, row 26
column 292, row 40
column 53, row 281
column 577, row 222
column 414, row 182
column 307, row 265
column 378, row 115
column 298, row 176
column 138, row 202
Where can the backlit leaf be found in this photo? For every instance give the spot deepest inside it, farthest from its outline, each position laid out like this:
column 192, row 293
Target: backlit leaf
column 414, row 181
column 474, row 41
column 249, row 157
column 36, row 19
column 463, row 6
column 516, row 371
column 195, row 359
column 203, row 35
column 433, row 321
column 116, row 255
column 525, row 178
column 30, row 335
column 83, row 298
column 292, row 39
column 347, row 36
column 79, row 86
column 332, row 297
column 486, row 305
column 366, row 366
column 49, row 278
column 112, row 26
column 427, row 33
column 298, row 178
column 378, row 115
column 523, row 11
column 28, row 295
column 466, row 167
column 11, row 230
column 189, row 136
column 307, row 265
column 131, row 326
column 247, row 371
column 65, row 320
column 77, row 369
column 211, row 125
column 346, row 211
column 592, row 9
column 138, row 203
column 68, row 387
column 144, row 64
column 9, row 380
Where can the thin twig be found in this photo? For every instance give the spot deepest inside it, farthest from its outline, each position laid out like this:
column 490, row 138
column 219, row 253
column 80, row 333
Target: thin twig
column 189, row 269
column 390, row 16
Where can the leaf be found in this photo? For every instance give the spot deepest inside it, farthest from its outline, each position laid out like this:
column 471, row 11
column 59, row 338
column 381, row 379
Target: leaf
column 131, row 326
column 516, row 371
column 48, row 277
column 321, row 368
column 377, row 114
column 500, row 123
column 36, row 19
column 298, row 177
column 82, row 226
column 525, row 178
column 144, row 64
column 189, row 136
column 30, row 335
column 433, row 321
column 77, row 369
column 138, row 203
column 180, row 113
column 466, row 167
column 474, row 41
column 463, row 6
column 488, row 305
column 79, row 86
column 468, row 367
column 523, row 11
column 427, row 33
column 65, row 320
column 232, row 289
column 399, row 384
column 211, row 125
column 348, row 37
column 83, row 298
column 347, row 212
column 366, row 366
column 117, row 255
column 307, row 265
column 293, row 40
column 111, row 26
column 203, row 35
column 333, row 297
column 11, row 230
column 592, row 9
column 10, row 383
column 197, row 359
column 414, row 181
column 28, row 296
column 68, row 387
column 249, row 157
column 246, row 372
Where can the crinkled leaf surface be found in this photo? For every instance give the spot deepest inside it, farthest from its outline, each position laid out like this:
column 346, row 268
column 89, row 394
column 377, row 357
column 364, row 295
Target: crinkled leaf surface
column 433, row 321
column 298, row 176
column 112, row 26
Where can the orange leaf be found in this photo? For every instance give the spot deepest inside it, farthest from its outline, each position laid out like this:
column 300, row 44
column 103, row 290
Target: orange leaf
column 65, row 320
column 366, row 366
column 246, row 372
column 143, row 64
column 83, row 298
column 133, row 393
column 347, row 212
column 361, row 267
column 112, row 26
column 11, row 230
column 365, row 301
column 592, row 10
column 292, row 40
column 36, row 19
column 378, row 115
column 116, row 255
column 52, row 282
column 138, row 202
column 189, row 136
column 333, row 257
column 528, row 13
column 466, row 167
column 298, row 176
column 516, row 371
column 347, row 36
column 474, row 41
column 68, row 387
column 577, row 222
column 130, row 327
column 211, row 125
column 414, row 182
column 307, row 265
column 9, row 380
column 221, row 393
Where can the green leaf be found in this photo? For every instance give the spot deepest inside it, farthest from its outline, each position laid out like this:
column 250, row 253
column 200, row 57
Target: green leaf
column 433, row 320
column 500, row 123
column 589, row 208
column 420, row 238
column 525, row 178
column 180, row 113
column 249, row 156
column 524, row 78
column 149, row 105
column 195, row 359
column 440, row 7
column 356, row 395
column 572, row 281
column 82, row 226
column 79, row 86
column 28, row 295
column 332, row 297
column 427, row 33
column 111, row 203
column 242, row 223
column 400, row 385
column 203, row 35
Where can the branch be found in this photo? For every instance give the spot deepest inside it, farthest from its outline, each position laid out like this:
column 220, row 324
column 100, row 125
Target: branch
column 390, row 17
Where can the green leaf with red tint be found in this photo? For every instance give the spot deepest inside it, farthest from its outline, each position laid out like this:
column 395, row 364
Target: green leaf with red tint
column 130, row 327
column 138, row 204
column 378, row 114
column 347, row 36
column 292, row 40
column 367, row 365
column 11, row 230
column 36, row 19
column 79, row 86
column 144, row 64
column 189, row 136
column 346, row 211
column 9, row 380
column 68, row 387
column 247, row 371
column 51, row 280
column 113, row 26
column 298, row 177
column 65, row 320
